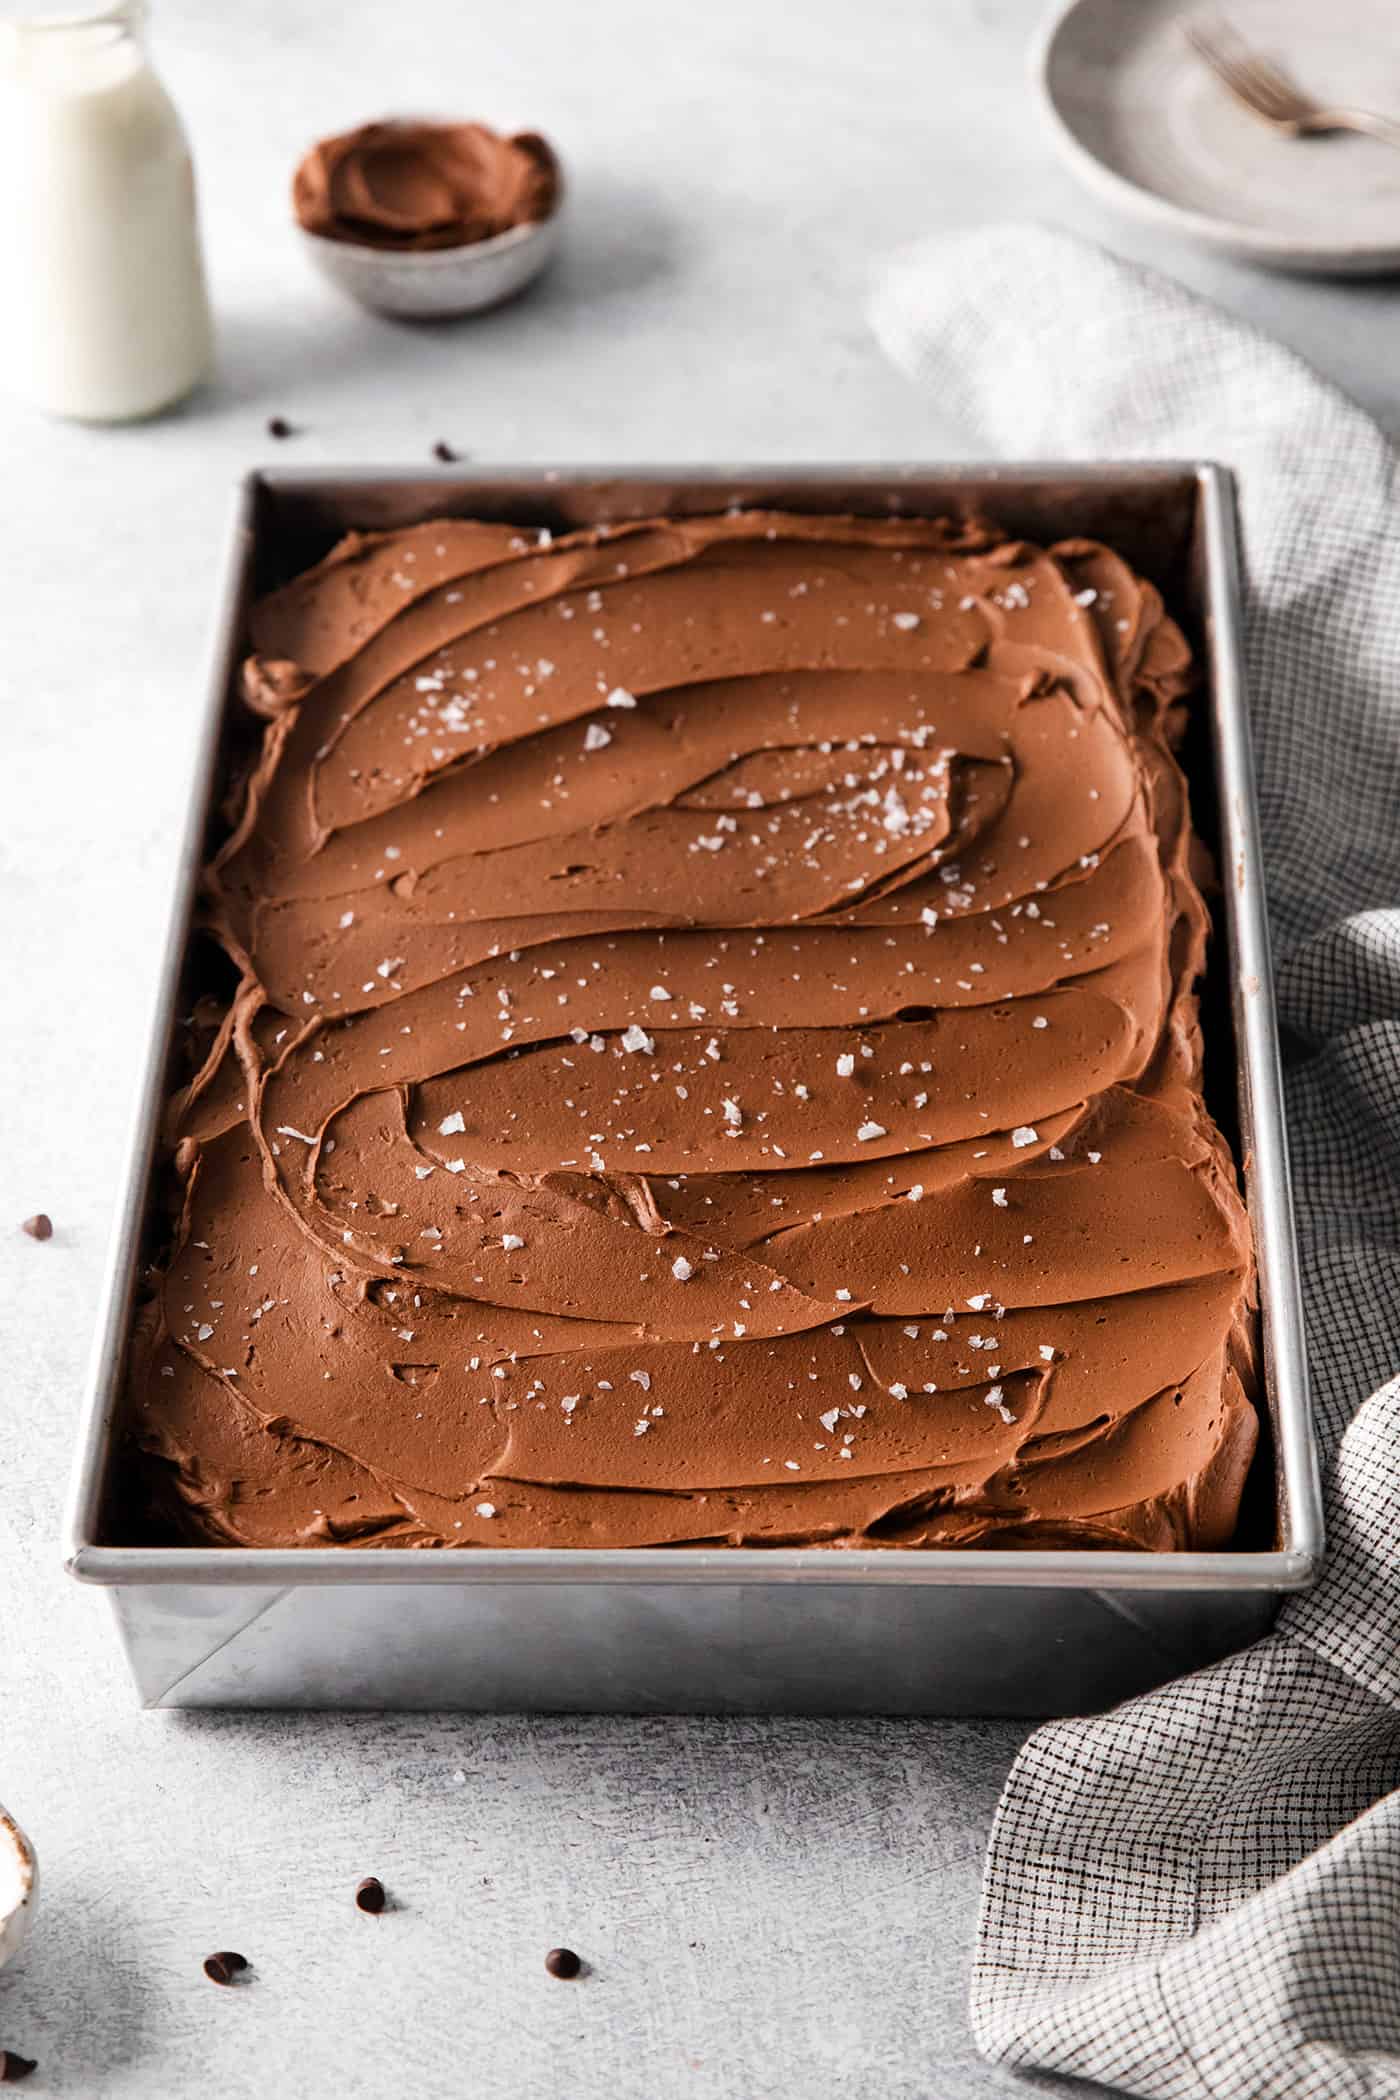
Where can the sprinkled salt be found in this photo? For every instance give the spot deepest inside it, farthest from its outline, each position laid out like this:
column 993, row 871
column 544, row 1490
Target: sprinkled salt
column 486, row 1509
column 868, row 1131
column 595, row 737
column 999, row 1198
column 1023, row 1135
column 449, row 1125
column 845, row 1064
column 681, row 1269
column 635, row 1038
column 510, row 1241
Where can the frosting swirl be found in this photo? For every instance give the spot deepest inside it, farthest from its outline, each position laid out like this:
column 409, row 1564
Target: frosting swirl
column 412, row 184
column 709, row 1055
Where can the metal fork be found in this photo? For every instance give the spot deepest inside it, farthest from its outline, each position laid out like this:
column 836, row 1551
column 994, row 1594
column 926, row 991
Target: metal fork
column 1270, row 94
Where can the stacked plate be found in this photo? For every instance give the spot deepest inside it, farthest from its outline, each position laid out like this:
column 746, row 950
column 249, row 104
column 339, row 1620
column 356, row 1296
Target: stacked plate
column 1145, row 122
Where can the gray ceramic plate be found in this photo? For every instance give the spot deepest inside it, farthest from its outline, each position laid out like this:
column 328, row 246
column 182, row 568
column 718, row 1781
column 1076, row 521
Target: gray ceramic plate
column 1144, row 123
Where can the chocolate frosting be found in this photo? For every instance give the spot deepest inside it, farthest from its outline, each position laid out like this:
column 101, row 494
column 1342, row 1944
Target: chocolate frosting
column 418, row 185
column 714, row 1058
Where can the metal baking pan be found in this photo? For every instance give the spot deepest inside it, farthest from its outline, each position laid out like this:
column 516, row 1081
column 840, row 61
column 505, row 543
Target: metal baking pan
column 740, row 1629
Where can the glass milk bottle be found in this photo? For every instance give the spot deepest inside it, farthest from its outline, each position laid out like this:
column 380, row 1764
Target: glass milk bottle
column 106, row 314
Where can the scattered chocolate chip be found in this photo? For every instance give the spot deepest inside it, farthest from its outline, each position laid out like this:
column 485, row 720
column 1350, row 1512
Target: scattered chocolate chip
column 443, row 451
column 14, row 2067
column 370, row 1895
column 279, row 427
column 562, row 1961
column 222, row 1968
column 38, row 1227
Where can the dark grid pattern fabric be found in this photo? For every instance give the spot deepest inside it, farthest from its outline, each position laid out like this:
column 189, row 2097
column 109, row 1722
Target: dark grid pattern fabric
column 1198, row 1895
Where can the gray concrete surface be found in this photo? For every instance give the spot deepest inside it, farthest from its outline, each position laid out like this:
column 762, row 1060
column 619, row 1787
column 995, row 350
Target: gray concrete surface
column 772, row 1910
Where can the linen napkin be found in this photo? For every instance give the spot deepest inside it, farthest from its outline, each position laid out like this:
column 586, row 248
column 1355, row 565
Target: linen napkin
column 1197, row 1896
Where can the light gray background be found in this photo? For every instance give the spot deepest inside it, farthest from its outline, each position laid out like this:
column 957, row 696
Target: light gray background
column 774, row 1910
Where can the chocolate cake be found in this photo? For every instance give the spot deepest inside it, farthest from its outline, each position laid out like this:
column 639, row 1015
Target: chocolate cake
column 709, row 1054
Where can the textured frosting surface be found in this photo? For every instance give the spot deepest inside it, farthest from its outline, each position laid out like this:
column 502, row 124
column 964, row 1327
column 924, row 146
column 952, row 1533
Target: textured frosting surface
column 417, row 185
column 702, row 1049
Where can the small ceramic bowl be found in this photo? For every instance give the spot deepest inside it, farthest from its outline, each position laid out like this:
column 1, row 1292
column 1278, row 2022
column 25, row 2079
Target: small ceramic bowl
column 436, row 283
column 19, row 1887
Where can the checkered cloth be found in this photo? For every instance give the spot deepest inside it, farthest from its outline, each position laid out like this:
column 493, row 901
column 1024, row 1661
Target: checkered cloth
column 1198, row 1895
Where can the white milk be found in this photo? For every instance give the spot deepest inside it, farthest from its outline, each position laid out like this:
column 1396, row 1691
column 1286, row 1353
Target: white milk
column 106, row 315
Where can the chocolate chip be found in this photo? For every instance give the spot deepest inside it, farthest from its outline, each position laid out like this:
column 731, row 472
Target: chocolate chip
column 279, row 427
column 14, row 2067
column 562, row 1961
column 443, row 451
column 222, row 1968
column 370, row 1895
column 38, row 1227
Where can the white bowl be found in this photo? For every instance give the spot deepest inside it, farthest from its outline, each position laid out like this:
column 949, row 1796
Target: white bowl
column 19, row 1886
column 435, row 283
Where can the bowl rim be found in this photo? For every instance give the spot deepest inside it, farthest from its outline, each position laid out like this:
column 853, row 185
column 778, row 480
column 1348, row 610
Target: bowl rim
column 410, row 260
column 12, row 1835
